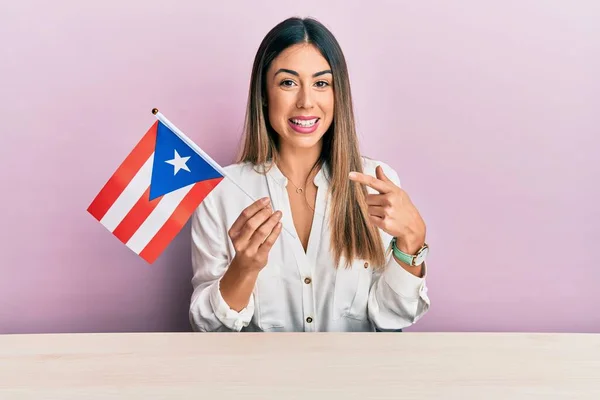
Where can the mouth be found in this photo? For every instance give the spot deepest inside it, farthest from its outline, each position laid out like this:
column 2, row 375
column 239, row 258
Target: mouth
column 304, row 125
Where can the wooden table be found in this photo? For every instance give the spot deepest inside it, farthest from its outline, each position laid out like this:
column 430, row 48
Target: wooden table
column 300, row 366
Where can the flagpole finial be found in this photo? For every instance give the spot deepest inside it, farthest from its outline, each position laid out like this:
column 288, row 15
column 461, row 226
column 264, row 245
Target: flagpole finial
column 154, row 111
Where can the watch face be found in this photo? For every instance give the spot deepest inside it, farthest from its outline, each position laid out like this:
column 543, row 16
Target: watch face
column 421, row 256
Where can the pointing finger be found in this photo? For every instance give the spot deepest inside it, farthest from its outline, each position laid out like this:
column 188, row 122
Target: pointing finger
column 371, row 181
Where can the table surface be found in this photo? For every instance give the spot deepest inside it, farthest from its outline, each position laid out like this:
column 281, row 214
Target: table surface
column 300, row 365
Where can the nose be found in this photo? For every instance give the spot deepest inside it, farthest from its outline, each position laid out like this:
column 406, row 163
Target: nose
column 304, row 98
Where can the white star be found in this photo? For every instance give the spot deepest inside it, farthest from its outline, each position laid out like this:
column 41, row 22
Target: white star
column 179, row 163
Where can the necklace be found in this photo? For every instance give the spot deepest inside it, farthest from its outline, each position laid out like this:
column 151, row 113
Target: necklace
column 299, row 190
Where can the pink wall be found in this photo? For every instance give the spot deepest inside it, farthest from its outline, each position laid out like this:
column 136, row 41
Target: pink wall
column 489, row 112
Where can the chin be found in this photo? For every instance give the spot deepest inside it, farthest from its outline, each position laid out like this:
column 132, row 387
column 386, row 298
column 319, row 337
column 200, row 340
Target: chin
column 293, row 141
column 304, row 143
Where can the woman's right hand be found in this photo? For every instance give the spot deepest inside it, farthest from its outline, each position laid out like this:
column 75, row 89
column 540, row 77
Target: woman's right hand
column 253, row 234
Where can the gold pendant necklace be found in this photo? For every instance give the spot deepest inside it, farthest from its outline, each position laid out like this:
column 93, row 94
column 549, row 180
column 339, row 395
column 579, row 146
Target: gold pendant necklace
column 299, row 190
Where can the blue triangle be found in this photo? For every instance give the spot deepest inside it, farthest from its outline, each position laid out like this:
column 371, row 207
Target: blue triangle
column 166, row 177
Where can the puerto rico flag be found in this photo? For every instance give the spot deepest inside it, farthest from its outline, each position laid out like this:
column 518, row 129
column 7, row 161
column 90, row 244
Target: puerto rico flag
column 153, row 193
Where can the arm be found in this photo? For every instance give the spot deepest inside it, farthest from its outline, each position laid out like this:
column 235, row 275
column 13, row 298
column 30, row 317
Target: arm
column 222, row 298
column 398, row 295
column 237, row 286
column 212, row 273
column 397, row 298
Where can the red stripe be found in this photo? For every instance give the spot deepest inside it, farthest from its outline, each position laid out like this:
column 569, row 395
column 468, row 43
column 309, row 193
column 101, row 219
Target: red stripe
column 178, row 219
column 124, row 174
column 136, row 216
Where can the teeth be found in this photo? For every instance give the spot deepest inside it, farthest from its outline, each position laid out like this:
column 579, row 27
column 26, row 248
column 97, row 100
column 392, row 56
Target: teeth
column 305, row 123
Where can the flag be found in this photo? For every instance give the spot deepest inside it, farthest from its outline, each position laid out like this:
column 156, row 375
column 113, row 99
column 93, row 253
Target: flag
column 155, row 190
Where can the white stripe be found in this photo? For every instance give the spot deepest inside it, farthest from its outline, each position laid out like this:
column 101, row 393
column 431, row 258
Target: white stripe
column 157, row 219
column 127, row 199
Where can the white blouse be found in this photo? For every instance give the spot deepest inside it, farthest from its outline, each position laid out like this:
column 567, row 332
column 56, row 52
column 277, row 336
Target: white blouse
column 297, row 290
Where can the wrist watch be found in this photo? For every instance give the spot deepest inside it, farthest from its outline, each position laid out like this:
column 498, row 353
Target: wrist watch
column 412, row 260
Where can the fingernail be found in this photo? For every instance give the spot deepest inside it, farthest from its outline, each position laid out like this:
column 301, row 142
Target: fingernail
column 265, row 200
column 352, row 174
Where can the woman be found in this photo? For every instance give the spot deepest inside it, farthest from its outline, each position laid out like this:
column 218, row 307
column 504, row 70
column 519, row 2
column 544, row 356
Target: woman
column 310, row 254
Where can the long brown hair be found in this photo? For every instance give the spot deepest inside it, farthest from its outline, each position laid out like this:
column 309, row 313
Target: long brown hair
column 352, row 235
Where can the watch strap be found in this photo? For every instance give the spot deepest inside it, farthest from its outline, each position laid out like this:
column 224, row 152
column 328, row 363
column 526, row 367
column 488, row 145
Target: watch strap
column 400, row 255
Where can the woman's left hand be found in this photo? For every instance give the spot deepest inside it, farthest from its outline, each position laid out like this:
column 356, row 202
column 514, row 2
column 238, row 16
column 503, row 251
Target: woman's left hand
column 393, row 211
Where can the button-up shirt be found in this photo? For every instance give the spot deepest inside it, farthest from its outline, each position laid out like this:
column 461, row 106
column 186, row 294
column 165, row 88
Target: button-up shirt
column 297, row 290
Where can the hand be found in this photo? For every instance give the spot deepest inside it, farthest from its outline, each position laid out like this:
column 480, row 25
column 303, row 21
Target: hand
column 253, row 234
column 393, row 211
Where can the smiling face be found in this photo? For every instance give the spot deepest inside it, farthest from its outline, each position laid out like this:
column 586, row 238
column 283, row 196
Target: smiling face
column 300, row 98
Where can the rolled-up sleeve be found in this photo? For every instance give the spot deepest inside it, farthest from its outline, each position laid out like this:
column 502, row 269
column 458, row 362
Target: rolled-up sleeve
column 210, row 259
column 397, row 298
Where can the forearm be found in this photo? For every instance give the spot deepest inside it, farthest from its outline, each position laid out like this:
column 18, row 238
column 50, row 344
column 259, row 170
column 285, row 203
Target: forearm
column 237, row 285
column 398, row 297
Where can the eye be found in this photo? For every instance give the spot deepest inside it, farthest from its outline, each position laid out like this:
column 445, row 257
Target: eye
column 322, row 84
column 287, row 83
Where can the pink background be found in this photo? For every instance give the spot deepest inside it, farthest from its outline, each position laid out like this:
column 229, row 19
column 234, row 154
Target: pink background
column 489, row 111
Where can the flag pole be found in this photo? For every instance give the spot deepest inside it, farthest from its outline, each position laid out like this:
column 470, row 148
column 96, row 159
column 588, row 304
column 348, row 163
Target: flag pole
column 208, row 159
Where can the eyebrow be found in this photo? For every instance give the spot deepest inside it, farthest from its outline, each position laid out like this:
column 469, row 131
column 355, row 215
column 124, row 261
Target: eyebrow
column 290, row 71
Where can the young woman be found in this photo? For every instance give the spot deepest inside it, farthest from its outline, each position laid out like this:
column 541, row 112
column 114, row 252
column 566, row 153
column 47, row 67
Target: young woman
column 333, row 243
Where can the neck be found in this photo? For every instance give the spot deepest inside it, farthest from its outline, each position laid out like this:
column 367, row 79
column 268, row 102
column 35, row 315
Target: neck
column 296, row 163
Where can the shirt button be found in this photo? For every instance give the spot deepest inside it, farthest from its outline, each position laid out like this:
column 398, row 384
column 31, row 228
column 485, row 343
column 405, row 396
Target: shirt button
column 309, row 320
column 307, row 280
column 366, row 265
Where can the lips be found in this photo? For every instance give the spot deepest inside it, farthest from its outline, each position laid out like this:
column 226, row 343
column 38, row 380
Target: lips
column 304, row 124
